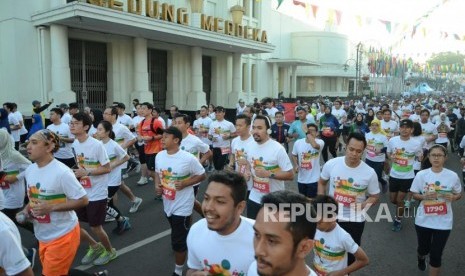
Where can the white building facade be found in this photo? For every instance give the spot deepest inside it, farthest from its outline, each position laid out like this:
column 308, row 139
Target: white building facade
column 183, row 52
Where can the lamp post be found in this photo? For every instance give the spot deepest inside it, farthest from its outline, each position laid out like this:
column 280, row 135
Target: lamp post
column 346, row 67
column 357, row 67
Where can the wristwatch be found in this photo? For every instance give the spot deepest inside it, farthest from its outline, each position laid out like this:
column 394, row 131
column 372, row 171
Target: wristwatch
column 272, row 176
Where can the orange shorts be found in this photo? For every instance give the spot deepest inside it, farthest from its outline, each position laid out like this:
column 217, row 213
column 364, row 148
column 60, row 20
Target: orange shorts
column 57, row 256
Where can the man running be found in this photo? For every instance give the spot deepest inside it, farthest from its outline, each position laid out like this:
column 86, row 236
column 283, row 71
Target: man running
column 65, row 153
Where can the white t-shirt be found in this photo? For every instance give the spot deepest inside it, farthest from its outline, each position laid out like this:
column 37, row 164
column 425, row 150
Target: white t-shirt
column 65, row 151
column 12, row 258
column 349, row 185
column 122, row 136
column 19, row 117
column 59, row 185
column 271, row 113
column 137, row 119
column 375, row 142
column 92, row 131
column 172, row 167
column 339, row 113
column 309, row 160
column 202, row 127
column 115, row 152
column 66, row 118
column 235, row 249
column 435, row 214
column 428, row 129
column 319, row 115
column 390, row 128
column 404, row 151
column 14, row 192
column 13, row 121
column 125, row 120
column 331, row 248
column 414, row 117
column 217, row 129
column 238, row 148
column 193, row 145
column 90, row 155
column 273, row 157
column 253, row 270
column 2, row 199
column 416, row 161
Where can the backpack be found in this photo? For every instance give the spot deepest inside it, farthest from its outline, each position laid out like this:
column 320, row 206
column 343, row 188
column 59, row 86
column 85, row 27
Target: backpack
column 159, row 131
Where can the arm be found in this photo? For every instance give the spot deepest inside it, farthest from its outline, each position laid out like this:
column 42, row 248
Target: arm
column 361, row 260
column 44, row 208
column 371, row 200
column 207, row 156
column 103, row 169
column 158, row 187
column 129, row 143
column 66, row 140
column 42, row 108
column 296, row 163
column 194, row 272
column 119, row 162
column 194, row 179
column 322, row 186
column 232, row 161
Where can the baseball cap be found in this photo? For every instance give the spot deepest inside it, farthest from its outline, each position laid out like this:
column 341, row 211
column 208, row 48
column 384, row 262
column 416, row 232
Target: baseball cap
column 407, row 123
column 300, row 108
column 35, row 102
column 63, row 105
column 73, row 105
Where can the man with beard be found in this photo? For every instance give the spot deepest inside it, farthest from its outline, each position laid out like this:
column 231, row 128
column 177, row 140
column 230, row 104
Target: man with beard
column 281, row 244
column 229, row 235
column 269, row 164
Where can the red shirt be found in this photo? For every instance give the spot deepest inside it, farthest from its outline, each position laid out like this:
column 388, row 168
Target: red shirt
column 152, row 146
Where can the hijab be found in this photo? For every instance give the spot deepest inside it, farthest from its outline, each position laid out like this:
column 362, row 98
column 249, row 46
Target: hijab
column 8, row 152
column 36, row 126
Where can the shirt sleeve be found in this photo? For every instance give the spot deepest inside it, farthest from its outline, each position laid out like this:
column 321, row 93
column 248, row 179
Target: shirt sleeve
column 71, row 187
column 325, row 172
column 457, row 188
column 283, row 160
column 203, row 148
column 192, row 261
column 102, row 155
column 232, row 128
column 120, row 152
column 12, row 258
column 294, row 148
column 196, row 167
column 416, row 184
column 373, row 187
column 127, row 135
column 348, row 242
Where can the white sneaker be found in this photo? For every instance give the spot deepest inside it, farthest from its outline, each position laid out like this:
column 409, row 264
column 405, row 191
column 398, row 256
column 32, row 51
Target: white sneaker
column 142, row 181
column 135, row 205
column 125, row 176
column 138, row 168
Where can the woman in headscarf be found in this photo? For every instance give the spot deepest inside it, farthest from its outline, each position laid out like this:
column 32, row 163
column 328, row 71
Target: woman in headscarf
column 329, row 128
column 376, row 151
column 13, row 186
column 36, row 125
column 370, row 116
column 443, row 127
column 359, row 125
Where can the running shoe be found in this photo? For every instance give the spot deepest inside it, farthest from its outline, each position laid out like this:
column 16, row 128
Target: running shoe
column 421, row 263
column 407, row 204
column 123, row 226
column 109, row 218
column 92, row 254
column 142, row 181
column 101, row 273
column 135, row 205
column 125, row 176
column 106, row 257
column 396, row 226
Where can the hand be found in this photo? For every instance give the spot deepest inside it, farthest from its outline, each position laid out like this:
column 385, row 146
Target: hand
column 431, row 196
column 296, row 170
column 335, row 273
column 448, row 197
column 200, row 273
column 158, row 190
column 247, row 175
column 80, row 172
column 242, row 162
column 41, row 208
column 225, row 136
column 179, row 185
column 262, row 172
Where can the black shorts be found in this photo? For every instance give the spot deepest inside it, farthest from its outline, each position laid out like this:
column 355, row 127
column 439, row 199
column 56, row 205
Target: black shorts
column 150, row 160
column 94, row 213
column 140, row 150
column 179, row 229
column 196, row 190
column 70, row 162
column 399, row 185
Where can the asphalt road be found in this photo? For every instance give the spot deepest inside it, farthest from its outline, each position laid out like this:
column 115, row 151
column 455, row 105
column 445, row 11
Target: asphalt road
column 146, row 250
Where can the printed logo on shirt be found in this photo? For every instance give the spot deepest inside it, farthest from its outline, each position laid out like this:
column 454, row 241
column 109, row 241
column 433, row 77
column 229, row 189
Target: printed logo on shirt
column 346, row 190
column 86, row 163
column 36, row 197
column 307, row 158
column 168, row 179
column 222, row 269
column 191, row 151
column 403, row 160
column 373, row 146
column 119, row 140
column 436, row 206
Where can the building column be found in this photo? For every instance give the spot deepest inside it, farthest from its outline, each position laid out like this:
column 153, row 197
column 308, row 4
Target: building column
column 286, row 82
column 236, row 92
column 141, row 75
column 60, row 73
column 294, row 82
column 275, row 79
column 196, row 97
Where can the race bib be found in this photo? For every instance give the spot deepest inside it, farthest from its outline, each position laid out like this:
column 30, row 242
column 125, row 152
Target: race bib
column 442, row 135
column 306, row 165
column 4, row 185
column 225, row 150
column 85, row 182
column 435, row 208
column 42, row 219
column 242, row 169
column 169, row 193
column 402, row 162
column 344, row 199
column 262, row 185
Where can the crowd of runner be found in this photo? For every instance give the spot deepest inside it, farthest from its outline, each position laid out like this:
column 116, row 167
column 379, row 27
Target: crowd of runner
column 76, row 165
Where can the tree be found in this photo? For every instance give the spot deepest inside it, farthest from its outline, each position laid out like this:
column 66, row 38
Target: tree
column 446, row 58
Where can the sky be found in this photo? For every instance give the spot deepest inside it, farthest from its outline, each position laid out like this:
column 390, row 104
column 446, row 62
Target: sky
column 438, row 23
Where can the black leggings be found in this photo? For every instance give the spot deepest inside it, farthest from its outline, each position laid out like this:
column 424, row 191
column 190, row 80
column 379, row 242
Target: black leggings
column 111, row 208
column 432, row 242
column 330, row 142
column 378, row 167
column 355, row 229
column 219, row 160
